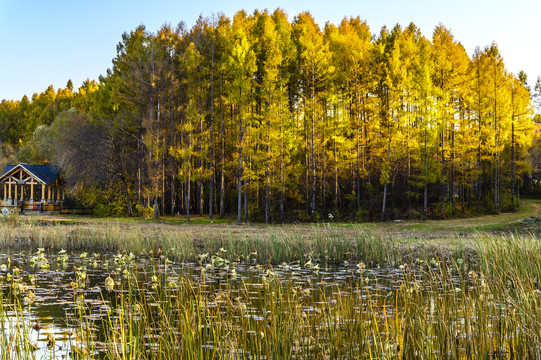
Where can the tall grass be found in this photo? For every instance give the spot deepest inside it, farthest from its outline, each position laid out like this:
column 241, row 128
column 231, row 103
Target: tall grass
column 266, row 245
column 474, row 298
column 15, row 329
column 437, row 311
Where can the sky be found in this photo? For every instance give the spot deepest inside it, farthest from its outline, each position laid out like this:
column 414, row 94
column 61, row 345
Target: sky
column 50, row 42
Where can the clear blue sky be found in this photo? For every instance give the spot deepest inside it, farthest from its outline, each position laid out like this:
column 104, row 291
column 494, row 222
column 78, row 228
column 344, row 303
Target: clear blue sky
column 48, row 42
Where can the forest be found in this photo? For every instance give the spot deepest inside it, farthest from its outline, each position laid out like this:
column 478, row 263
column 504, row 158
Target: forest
column 263, row 118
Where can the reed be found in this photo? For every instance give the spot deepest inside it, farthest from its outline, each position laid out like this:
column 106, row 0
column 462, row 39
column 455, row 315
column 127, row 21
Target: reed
column 436, row 312
column 272, row 245
column 454, row 298
column 432, row 314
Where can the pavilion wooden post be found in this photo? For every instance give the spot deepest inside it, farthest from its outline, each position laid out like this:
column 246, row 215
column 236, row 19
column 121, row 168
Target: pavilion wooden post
column 16, row 191
column 43, row 193
column 9, row 190
column 22, row 188
column 5, row 192
column 32, row 190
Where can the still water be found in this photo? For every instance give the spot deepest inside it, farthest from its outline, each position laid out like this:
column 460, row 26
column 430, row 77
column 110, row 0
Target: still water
column 60, row 293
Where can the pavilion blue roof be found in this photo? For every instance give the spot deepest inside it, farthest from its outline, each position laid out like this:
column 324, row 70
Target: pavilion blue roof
column 47, row 173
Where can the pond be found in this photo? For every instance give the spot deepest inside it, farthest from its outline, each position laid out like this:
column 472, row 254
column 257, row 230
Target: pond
column 60, row 305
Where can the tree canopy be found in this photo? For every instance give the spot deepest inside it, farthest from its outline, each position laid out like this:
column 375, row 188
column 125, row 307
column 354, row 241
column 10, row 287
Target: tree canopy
column 271, row 119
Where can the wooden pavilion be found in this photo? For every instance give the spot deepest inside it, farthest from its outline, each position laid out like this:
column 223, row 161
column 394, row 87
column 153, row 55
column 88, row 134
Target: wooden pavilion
column 31, row 187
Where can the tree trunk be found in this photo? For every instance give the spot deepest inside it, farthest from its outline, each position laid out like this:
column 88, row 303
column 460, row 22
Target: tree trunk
column 513, row 160
column 384, row 202
column 496, row 155
column 222, row 158
column 188, row 181
column 313, row 152
column 171, row 131
column 267, row 171
column 386, row 182
column 306, row 161
column 281, row 160
column 442, row 186
column 245, row 199
column 452, row 180
column 425, row 192
column 212, row 170
column 201, row 199
column 336, row 166
column 358, row 146
column 239, row 209
column 479, row 164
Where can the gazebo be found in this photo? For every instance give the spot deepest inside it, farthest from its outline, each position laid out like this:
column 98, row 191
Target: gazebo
column 32, row 187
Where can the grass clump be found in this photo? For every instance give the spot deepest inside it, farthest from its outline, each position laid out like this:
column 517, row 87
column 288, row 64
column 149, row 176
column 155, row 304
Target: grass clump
column 259, row 293
column 224, row 308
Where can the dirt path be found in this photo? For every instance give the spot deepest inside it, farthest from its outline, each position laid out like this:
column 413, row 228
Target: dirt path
column 500, row 222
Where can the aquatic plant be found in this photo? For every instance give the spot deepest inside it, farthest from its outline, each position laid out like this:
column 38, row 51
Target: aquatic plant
column 319, row 292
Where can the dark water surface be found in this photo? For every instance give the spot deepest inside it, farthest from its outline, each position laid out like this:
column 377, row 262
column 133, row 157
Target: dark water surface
column 63, row 284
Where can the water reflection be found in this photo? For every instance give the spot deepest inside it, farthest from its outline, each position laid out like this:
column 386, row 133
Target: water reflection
column 70, row 293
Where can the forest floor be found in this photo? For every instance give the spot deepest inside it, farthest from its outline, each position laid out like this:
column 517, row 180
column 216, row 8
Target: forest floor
column 521, row 221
